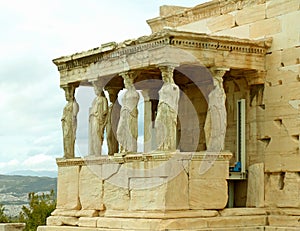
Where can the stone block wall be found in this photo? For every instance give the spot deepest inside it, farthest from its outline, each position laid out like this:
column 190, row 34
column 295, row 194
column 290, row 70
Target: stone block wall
column 273, row 130
column 148, row 184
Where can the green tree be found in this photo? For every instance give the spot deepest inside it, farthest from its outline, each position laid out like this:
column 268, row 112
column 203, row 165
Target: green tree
column 3, row 217
column 40, row 207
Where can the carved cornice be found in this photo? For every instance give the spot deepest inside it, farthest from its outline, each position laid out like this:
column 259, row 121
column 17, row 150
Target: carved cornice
column 173, row 38
column 202, row 11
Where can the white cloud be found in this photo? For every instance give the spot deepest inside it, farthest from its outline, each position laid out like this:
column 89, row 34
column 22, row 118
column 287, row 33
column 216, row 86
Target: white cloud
column 40, row 162
column 33, row 33
column 11, row 164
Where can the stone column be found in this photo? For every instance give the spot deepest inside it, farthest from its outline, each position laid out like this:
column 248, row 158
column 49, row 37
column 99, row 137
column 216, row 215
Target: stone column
column 166, row 119
column 97, row 120
column 113, row 120
column 69, row 121
column 216, row 119
column 127, row 131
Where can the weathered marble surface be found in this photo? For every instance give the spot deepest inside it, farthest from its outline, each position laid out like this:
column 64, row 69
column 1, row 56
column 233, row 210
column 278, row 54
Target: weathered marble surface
column 166, row 119
column 138, row 182
column 112, row 122
column 216, row 119
column 272, row 122
column 69, row 122
column 127, row 131
column 97, row 121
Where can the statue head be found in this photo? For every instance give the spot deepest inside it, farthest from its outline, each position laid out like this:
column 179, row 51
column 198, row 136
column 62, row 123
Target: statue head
column 167, row 73
column 98, row 88
column 69, row 92
column 128, row 82
column 128, row 77
column 218, row 74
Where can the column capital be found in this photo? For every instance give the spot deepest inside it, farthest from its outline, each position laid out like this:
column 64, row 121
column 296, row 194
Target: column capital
column 218, row 72
column 166, row 68
column 129, row 75
column 167, row 65
column 69, row 90
column 167, row 71
column 70, row 86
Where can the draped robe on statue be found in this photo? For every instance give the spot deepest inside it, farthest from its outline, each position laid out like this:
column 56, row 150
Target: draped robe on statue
column 127, row 131
column 166, row 119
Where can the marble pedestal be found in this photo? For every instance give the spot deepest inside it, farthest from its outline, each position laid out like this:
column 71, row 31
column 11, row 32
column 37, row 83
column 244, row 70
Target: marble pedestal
column 151, row 191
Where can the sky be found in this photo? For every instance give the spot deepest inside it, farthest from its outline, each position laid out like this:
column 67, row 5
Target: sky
column 32, row 34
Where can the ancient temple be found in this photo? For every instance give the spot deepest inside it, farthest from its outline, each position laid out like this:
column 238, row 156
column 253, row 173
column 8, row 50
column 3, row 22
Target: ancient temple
column 221, row 124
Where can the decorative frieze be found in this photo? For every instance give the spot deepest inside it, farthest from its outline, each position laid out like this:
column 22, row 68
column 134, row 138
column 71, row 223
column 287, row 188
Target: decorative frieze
column 163, row 38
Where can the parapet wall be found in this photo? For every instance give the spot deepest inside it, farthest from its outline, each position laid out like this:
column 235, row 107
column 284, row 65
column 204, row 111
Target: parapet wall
column 150, row 184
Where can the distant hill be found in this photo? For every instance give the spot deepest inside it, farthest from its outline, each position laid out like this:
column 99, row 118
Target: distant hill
column 52, row 174
column 14, row 190
column 17, row 184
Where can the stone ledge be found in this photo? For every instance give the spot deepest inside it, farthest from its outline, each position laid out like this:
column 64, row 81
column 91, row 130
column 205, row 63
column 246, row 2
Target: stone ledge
column 198, row 223
column 256, row 228
column 157, row 156
column 228, row 219
column 243, row 212
column 62, row 220
column 283, row 211
column 75, row 213
column 164, row 215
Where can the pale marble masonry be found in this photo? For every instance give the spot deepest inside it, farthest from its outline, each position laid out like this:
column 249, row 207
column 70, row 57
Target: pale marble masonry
column 144, row 184
column 256, row 186
column 264, row 73
column 149, row 183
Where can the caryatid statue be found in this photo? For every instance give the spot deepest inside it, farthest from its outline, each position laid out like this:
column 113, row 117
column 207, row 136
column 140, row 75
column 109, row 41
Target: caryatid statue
column 167, row 111
column 112, row 121
column 69, row 121
column 97, row 120
column 216, row 119
column 127, row 131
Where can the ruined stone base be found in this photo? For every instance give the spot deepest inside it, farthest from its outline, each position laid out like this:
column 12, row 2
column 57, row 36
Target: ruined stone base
column 250, row 228
column 156, row 191
column 226, row 219
column 150, row 191
column 143, row 182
